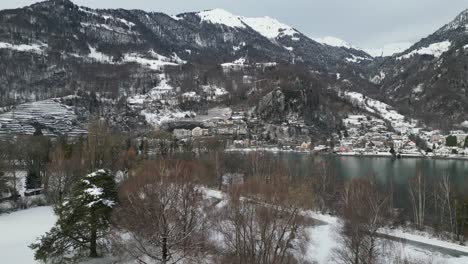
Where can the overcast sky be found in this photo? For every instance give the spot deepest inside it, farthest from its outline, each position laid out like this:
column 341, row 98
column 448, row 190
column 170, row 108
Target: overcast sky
column 364, row 23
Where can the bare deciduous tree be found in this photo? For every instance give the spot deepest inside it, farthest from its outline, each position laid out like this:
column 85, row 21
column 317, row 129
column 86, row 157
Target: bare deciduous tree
column 365, row 210
column 417, row 188
column 161, row 214
column 262, row 229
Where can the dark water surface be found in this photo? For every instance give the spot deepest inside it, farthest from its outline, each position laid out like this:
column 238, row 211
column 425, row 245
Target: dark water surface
column 388, row 171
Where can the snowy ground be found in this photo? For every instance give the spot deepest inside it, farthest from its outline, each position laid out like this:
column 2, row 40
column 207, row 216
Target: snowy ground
column 325, row 239
column 20, row 229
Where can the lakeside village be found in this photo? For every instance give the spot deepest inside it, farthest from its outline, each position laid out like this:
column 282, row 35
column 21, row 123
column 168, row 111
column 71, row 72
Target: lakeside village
column 383, row 133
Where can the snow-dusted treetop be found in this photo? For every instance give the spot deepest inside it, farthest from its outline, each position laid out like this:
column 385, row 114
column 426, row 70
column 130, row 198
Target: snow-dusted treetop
column 266, row 26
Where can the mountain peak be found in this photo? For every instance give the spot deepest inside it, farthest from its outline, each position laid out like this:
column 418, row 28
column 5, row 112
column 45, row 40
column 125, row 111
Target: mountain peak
column 269, row 27
column 460, row 21
column 266, row 26
column 221, row 16
column 50, row 3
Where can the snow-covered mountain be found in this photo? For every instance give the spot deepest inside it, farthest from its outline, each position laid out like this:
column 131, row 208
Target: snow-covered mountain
column 115, row 63
column 140, row 68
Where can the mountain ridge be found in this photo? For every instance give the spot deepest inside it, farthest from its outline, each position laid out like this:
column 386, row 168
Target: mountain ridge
column 105, row 57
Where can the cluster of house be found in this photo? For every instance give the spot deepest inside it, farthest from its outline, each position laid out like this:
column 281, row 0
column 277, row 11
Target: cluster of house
column 436, row 140
column 234, row 127
column 370, row 135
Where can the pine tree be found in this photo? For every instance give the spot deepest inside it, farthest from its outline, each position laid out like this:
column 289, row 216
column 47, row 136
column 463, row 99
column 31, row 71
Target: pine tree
column 466, row 142
column 451, row 141
column 83, row 219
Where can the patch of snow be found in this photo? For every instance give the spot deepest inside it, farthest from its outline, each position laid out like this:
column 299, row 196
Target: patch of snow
column 191, row 95
column 378, row 78
column 175, row 17
column 214, row 92
column 389, row 49
column 338, row 76
column 418, row 89
column 36, row 48
column 289, row 48
column 235, row 65
column 222, row 17
column 266, row 64
column 238, row 47
column 88, row 11
column 423, row 238
column 356, row 59
column 157, row 63
column 99, row 56
column 164, row 116
column 464, row 124
column 435, row 49
column 94, row 191
column 19, row 229
column 127, row 23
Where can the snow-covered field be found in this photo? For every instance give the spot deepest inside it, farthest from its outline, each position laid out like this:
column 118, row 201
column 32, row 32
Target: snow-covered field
column 20, row 229
column 325, row 240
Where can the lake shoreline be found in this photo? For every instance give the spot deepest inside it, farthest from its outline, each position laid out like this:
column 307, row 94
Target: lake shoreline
column 344, row 154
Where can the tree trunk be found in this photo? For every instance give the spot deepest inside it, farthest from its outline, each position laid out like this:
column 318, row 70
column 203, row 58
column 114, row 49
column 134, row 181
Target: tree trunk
column 165, row 251
column 93, row 239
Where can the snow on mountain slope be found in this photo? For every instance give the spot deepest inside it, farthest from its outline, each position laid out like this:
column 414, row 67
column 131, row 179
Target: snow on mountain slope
column 460, row 21
column 159, row 105
column 334, row 42
column 269, row 27
column 220, row 16
column 265, row 26
column 434, row 49
column 389, row 49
